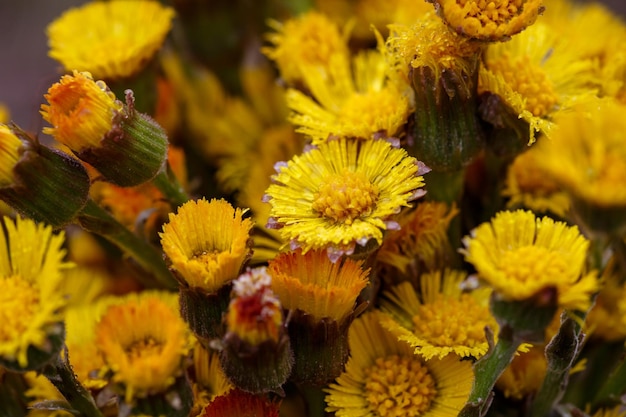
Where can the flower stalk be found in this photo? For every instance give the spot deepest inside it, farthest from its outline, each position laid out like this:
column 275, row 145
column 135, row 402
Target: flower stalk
column 487, row 370
column 560, row 353
column 166, row 182
column 95, row 219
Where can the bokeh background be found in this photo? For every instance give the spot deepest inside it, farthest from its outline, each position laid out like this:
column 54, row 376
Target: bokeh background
column 26, row 72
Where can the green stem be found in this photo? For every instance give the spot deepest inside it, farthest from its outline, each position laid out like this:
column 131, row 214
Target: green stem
column 95, row 219
column 60, row 374
column 167, row 183
column 614, row 387
column 560, row 354
column 487, row 370
column 446, row 187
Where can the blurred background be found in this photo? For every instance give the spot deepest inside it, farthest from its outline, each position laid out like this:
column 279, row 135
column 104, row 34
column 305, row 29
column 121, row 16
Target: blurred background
column 26, row 71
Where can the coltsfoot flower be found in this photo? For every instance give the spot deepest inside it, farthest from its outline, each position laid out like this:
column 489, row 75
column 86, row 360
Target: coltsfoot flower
column 32, row 301
column 111, row 40
column 143, row 341
column 443, row 319
column 384, row 377
column 310, row 39
column 342, row 193
column 519, row 256
column 207, row 243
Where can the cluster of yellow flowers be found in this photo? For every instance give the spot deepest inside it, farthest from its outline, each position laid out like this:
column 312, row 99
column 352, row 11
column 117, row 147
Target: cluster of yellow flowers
column 320, row 208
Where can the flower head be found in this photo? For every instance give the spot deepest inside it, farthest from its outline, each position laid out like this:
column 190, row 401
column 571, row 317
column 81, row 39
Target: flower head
column 256, row 354
column 127, row 147
column 143, row 341
column 31, row 301
column 429, row 43
column 342, row 193
column 255, row 314
column 10, row 146
column 591, row 136
column 528, row 186
column 383, row 377
column 443, row 320
column 80, row 110
column 537, row 74
column 312, row 283
column 361, row 105
column 520, row 255
column 310, row 39
column 491, row 21
column 207, row 242
column 111, row 40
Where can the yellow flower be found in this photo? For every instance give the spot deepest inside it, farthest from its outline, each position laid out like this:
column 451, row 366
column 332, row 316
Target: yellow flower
column 422, row 236
column 207, row 242
column 587, row 156
column 312, row 283
column 520, row 255
column 143, row 341
column 443, row 320
column 384, row 378
column 310, row 39
column 111, row 40
column 537, row 74
column 80, row 111
column 524, row 375
column 31, row 301
column 362, row 104
column 10, row 146
column 492, row 21
column 342, row 193
column 574, row 21
column 210, row 381
column 528, row 186
column 429, row 43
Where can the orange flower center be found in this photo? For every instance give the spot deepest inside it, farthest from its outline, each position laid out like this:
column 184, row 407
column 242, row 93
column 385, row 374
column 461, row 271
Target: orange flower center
column 533, row 263
column 145, row 348
column 345, row 197
column 530, row 81
column 399, row 386
column 498, row 11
